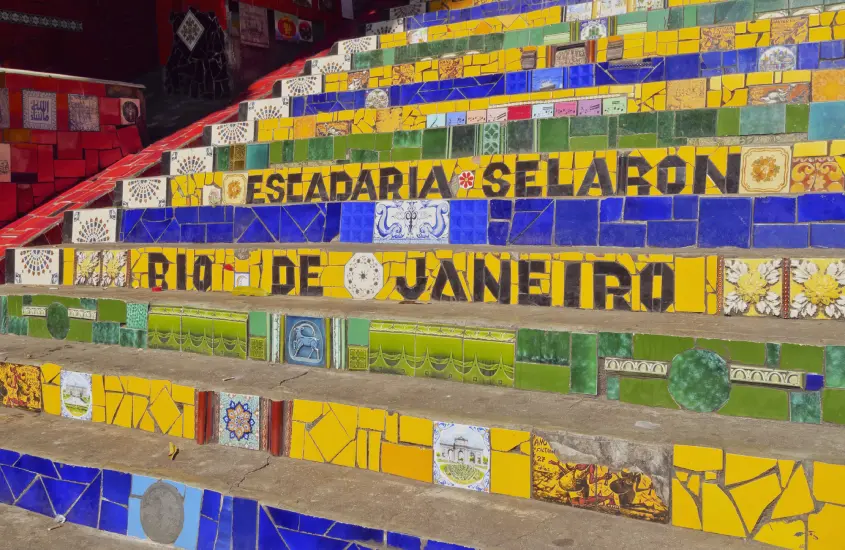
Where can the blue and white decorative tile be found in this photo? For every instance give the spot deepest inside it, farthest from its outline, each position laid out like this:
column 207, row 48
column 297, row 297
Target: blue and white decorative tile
column 37, row 266
column 579, row 12
column 164, row 512
column 264, row 109
column 83, row 113
column 193, row 160
column 96, row 225
column 76, row 395
column 39, row 110
column 593, row 29
column 233, row 133
column 462, row 456
column 144, row 192
column 420, row 221
column 778, row 58
column 305, row 341
column 363, row 276
column 240, row 421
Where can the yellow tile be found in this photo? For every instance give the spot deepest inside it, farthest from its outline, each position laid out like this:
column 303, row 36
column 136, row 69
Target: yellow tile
column 112, row 403
column 307, row 411
column 361, row 449
column 810, row 149
column 739, row 468
column 684, row 509
column 348, row 417
column 796, row 499
column 745, row 41
column 510, row 474
column 311, row 452
column 416, row 430
column 371, row 419
column 374, row 451
column 710, row 476
column 406, row 461
column 297, row 439
column 783, row 534
column 507, row 440
column 698, row 459
column 690, row 296
column 139, row 407
column 694, row 484
column 826, row 528
column 49, row 372
column 785, row 470
column 98, row 394
column 837, row 147
column 164, row 411
column 51, row 399
column 147, row 423
column 718, row 512
column 329, row 436
column 98, row 414
column 391, row 432
column 182, row 394
column 820, row 34
column 759, row 78
column 753, row 497
column 157, row 385
column 123, row 417
column 346, row 457
column 140, row 386
column 176, row 429
column 829, row 482
column 113, row 384
column 189, row 422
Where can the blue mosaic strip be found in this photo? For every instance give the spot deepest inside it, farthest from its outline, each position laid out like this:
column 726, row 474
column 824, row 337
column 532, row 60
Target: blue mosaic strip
column 812, row 55
column 805, row 221
column 493, row 9
column 112, row 501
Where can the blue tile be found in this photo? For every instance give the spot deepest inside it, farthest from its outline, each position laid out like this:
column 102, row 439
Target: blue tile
column 611, row 209
column 813, row 382
column 347, row 531
column 501, row 209
column 724, row 222
column 210, row 504
column 827, row 235
column 682, row 67
column 356, row 222
column 220, row 233
column 35, row 499
column 532, row 205
column 332, row 223
column 191, row 524
column 648, row 208
column 497, row 233
column 532, row 228
column 543, row 80
column 224, row 529
column 187, row 214
column 129, row 219
column 214, row 214
column 304, row 541
column 113, row 518
column 116, row 486
column 172, row 234
column 8, row 457
column 831, row 49
column 774, row 209
column 87, row 508
column 268, row 536
column 576, row 222
column 207, row 534
column 156, row 229
column 18, row 480
column 271, row 218
column 821, row 207
column 685, row 207
column 256, row 233
column 781, row 236
column 403, row 542
column 243, row 219
column 468, row 222
column 746, row 61
column 808, row 56
column 313, row 524
column 580, row 76
column 284, row 518
column 827, row 120
column 38, row 465
column 244, row 521
column 622, row 234
column 672, row 234
column 62, row 493
column 137, row 234
column 193, row 233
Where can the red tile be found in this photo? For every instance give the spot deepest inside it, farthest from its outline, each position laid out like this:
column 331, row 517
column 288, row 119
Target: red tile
column 45, row 163
column 94, row 88
column 62, row 120
column 519, row 112
column 109, row 157
column 97, row 140
column 110, row 110
column 69, row 86
column 43, row 136
column 24, row 158
column 25, row 202
column 69, row 145
column 69, row 168
column 92, row 162
column 8, row 201
column 62, row 184
column 42, row 191
column 130, row 139
column 15, row 109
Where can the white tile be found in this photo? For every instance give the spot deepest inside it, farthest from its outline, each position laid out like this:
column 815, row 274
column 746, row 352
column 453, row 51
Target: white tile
column 355, row 45
column 331, row 64
column 419, row 221
column 144, row 193
column 385, row 27
column 96, row 225
column 37, row 266
column 263, row 109
column 194, row 160
column 407, row 11
column 302, row 85
column 233, row 133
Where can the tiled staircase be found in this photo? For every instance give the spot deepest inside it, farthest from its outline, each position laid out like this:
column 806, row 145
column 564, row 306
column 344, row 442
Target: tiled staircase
column 633, row 213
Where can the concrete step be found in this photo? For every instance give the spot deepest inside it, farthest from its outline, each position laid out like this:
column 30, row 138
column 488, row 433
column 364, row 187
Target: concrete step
column 353, row 496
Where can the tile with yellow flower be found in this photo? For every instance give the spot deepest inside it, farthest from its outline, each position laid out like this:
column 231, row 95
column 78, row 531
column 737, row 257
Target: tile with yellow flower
column 753, row 287
column 20, row 386
column 817, row 288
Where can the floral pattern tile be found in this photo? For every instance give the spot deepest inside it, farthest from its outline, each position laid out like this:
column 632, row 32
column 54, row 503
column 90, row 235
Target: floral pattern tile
column 753, row 287
column 817, row 288
column 240, row 421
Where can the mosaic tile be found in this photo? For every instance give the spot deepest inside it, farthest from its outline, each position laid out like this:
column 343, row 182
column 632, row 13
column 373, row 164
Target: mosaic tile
column 83, row 113
column 462, row 456
column 76, row 395
column 39, row 110
column 240, row 421
column 305, row 341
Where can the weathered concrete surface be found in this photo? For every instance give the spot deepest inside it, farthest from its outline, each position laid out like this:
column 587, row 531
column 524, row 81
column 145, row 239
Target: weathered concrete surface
column 344, row 494
column 759, row 329
column 28, row 530
column 441, row 400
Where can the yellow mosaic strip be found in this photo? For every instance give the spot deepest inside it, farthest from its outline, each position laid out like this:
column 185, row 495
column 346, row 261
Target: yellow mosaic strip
column 726, row 493
column 732, row 90
column 127, row 401
column 765, row 32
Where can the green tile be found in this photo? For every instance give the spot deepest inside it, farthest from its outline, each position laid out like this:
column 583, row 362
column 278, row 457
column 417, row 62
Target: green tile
column 258, row 323
column 733, row 12
column 257, row 156
column 111, row 310
column 757, row 402
column 434, row 142
column 300, row 150
column 19, row 325
column 675, row 20
column 535, row 36
column 494, row 41
column 638, row 123
column 690, row 16
column 727, row 122
column 136, row 316
column 133, row 338
column 46, row 299
column 80, row 331
column 763, row 6
column 588, row 126
column 748, row 353
column 539, row 346
column 388, row 56
column 366, row 155
column 762, row 119
column 406, row 153
column 340, row 147
column 699, row 380
column 637, row 141
column 705, row 15
column 553, row 135
column 612, row 132
column 646, row 391
column 407, row 138
column 633, row 17
column 358, row 332
column 487, row 363
column 587, row 143
column 797, row 118
column 833, row 406
column 463, row 141
column 105, row 333
column 616, row 344
column 277, row 152
column 533, row 376
column 805, row 358
column 584, row 363
column 773, row 355
column 696, row 123
column 36, row 328
column 4, row 315
column 520, row 136
column 658, row 20
column 654, row 347
column 221, row 158
column 362, row 141
column 516, row 39
column 834, row 367
column 666, row 129
column 805, row 407
column 613, row 388
column 384, row 142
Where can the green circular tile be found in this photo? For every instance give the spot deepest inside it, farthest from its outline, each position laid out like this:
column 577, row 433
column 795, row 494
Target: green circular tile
column 58, row 323
column 698, row 380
